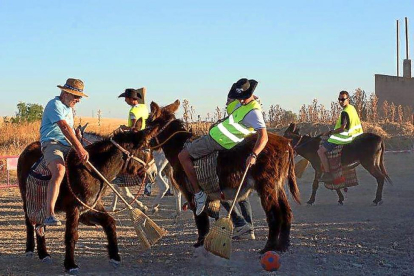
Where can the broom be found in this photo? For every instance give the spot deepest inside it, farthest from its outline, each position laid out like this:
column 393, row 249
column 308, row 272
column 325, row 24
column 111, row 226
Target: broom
column 148, row 232
column 300, row 167
column 218, row 239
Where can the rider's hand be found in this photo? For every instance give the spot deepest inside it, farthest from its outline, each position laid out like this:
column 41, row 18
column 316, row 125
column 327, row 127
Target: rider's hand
column 83, row 154
column 328, row 133
column 251, row 160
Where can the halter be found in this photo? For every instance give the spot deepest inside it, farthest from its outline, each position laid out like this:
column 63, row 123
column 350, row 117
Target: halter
column 166, row 140
column 129, row 155
column 297, row 144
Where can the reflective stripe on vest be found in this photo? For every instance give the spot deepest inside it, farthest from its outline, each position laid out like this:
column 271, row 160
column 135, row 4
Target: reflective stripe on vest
column 355, row 128
column 230, row 132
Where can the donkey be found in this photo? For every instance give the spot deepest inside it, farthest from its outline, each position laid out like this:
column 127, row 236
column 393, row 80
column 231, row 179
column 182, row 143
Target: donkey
column 274, row 165
column 81, row 184
column 154, row 172
column 367, row 149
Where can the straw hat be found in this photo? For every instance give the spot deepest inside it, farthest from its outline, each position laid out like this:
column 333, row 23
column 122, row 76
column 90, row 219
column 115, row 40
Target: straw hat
column 137, row 94
column 73, row 86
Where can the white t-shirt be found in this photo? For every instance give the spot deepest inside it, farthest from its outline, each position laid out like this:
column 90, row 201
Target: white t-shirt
column 253, row 119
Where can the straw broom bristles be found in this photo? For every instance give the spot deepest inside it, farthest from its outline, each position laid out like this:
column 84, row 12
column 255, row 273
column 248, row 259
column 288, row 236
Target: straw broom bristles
column 300, row 167
column 218, row 239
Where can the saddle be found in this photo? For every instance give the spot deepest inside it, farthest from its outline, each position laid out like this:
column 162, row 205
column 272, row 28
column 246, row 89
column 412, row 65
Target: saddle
column 206, row 171
column 36, row 191
column 343, row 176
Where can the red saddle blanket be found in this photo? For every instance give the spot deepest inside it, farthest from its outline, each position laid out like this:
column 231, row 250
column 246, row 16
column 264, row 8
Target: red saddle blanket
column 343, row 178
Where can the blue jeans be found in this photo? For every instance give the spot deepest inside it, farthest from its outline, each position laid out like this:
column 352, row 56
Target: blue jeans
column 242, row 216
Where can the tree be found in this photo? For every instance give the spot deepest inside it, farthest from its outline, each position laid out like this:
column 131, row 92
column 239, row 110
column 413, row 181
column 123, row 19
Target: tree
column 27, row 113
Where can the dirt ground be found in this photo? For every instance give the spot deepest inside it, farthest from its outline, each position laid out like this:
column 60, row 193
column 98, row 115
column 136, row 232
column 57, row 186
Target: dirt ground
column 327, row 239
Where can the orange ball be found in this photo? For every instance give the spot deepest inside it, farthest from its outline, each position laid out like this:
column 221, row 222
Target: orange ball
column 270, row 261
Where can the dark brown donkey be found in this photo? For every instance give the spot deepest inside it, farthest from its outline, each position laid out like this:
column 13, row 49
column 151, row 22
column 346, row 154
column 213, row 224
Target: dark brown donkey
column 274, row 165
column 367, row 150
column 88, row 187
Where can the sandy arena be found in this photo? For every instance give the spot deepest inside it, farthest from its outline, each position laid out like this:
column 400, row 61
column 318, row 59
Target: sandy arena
column 354, row 239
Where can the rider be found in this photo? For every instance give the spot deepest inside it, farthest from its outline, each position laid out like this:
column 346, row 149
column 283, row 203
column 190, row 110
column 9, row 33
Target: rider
column 138, row 112
column 243, row 218
column 57, row 124
column 348, row 126
column 226, row 134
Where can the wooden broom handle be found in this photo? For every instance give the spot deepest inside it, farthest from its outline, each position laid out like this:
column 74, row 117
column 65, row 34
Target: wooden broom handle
column 105, row 180
column 238, row 191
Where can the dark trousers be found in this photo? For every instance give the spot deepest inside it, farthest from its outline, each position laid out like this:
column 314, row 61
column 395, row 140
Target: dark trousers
column 240, row 216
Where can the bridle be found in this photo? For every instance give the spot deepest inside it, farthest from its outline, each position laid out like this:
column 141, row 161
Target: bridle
column 129, row 156
column 155, row 137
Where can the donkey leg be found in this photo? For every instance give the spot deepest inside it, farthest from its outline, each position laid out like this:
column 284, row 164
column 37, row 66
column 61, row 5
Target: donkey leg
column 41, row 247
column 341, row 197
column 30, row 243
column 71, row 237
column 203, row 225
column 271, row 207
column 315, row 187
column 286, row 214
column 108, row 225
column 375, row 171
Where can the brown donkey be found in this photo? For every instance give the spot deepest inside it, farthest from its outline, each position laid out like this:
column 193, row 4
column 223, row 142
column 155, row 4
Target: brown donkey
column 274, row 165
column 88, row 187
column 367, row 150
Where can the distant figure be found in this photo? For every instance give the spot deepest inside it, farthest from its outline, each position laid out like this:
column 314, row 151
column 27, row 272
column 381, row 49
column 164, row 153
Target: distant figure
column 347, row 127
column 138, row 112
column 57, row 124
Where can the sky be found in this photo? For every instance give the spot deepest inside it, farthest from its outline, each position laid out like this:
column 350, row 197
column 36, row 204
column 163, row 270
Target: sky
column 195, row 50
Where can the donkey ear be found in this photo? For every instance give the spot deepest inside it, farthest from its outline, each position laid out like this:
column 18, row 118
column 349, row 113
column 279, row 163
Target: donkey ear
column 171, row 108
column 296, row 131
column 82, row 128
column 291, row 128
column 155, row 110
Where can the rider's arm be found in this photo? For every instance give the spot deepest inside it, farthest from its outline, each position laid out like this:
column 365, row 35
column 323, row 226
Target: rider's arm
column 70, row 135
column 261, row 141
column 344, row 123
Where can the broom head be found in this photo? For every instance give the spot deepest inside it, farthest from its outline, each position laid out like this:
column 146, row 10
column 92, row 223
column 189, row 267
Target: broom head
column 300, row 167
column 218, row 239
column 148, row 231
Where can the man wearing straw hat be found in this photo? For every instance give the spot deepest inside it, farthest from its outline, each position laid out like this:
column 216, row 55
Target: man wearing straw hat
column 245, row 120
column 56, row 127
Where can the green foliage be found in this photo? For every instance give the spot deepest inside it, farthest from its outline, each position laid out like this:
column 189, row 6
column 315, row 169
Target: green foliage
column 27, row 113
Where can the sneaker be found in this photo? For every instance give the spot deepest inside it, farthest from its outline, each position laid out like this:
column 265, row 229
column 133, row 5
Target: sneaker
column 326, row 177
column 251, row 235
column 241, row 230
column 52, row 221
column 200, row 201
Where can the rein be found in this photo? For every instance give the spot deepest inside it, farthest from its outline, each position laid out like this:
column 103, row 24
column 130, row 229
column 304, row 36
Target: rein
column 129, row 155
column 171, row 136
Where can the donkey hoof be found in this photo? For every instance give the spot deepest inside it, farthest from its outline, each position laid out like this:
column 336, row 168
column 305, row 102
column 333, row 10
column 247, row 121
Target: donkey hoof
column 47, row 260
column 340, row 203
column 376, row 203
column 73, row 271
column 29, row 254
column 114, row 263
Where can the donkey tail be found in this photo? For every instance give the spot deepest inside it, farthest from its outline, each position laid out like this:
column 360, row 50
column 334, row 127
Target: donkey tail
column 293, row 186
column 381, row 164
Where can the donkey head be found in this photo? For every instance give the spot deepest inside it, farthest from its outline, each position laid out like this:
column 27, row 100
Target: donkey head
column 160, row 116
column 292, row 132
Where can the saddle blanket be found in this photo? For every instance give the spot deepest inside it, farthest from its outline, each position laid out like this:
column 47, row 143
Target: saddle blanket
column 206, row 170
column 36, row 191
column 343, row 178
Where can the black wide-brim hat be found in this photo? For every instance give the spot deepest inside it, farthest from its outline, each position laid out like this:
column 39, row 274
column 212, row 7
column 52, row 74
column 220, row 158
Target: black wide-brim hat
column 242, row 89
column 138, row 94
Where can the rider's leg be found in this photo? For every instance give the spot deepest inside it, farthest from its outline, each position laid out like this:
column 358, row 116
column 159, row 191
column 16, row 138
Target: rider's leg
column 57, row 169
column 324, row 160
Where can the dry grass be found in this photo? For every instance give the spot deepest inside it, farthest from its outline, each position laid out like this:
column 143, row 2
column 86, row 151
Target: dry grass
column 15, row 137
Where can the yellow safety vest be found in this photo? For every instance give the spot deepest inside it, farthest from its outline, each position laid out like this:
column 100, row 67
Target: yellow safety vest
column 230, row 132
column 231, row 106
column 139, row 111
column 355, row 128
